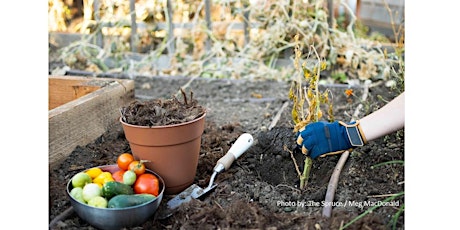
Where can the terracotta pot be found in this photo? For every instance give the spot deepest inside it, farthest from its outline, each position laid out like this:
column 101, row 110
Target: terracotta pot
column 172, row 150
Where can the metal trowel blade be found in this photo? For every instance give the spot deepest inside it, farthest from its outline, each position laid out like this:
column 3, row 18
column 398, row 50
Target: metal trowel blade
column 192, row 192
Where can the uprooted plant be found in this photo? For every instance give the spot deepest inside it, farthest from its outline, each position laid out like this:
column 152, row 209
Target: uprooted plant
column 307, row 98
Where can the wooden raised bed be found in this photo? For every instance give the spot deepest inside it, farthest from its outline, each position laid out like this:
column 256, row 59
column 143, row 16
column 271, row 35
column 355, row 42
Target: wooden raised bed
column 81, row 109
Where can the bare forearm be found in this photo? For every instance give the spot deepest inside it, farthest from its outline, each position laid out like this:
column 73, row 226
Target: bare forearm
column 386, row 120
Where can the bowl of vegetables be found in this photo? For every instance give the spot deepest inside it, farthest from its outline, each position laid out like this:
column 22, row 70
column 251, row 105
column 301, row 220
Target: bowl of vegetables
column 109, row 198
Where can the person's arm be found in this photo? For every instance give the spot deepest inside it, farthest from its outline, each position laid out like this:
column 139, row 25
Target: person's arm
column 386, row 120
column 324, row 138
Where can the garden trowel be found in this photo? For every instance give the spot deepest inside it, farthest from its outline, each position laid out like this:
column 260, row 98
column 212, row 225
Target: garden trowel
column 243, row 142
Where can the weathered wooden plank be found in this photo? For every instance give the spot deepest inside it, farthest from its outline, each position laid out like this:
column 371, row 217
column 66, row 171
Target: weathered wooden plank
column 63, row 90
column 82, row 120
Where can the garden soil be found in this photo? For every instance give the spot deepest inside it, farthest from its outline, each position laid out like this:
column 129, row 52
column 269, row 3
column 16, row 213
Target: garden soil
column 261, row 189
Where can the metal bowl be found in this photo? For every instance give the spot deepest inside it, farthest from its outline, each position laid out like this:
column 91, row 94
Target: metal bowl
column 116, row 218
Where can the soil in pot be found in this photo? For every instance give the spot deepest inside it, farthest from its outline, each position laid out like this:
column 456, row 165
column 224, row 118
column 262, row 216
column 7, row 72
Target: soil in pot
column 166, row 133
column 162, row 112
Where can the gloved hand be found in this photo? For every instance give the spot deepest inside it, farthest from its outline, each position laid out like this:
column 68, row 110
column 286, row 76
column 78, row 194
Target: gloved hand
column 320, row 138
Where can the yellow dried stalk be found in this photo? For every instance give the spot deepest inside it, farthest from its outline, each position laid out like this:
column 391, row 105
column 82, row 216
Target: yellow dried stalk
column 307, row 100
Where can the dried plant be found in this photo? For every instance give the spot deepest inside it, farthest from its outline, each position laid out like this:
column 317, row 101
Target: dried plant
column 307, row 98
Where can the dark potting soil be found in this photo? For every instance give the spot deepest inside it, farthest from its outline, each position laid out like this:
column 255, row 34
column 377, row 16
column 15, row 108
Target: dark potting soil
column 261, row 189
column 161, row 112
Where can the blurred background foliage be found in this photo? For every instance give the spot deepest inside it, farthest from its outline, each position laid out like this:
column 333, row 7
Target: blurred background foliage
column 237, row 39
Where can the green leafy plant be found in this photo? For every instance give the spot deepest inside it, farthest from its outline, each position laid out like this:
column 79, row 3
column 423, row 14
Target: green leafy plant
column 307, row 98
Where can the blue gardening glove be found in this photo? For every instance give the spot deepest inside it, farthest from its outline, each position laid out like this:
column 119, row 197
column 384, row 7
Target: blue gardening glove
column 321, row 138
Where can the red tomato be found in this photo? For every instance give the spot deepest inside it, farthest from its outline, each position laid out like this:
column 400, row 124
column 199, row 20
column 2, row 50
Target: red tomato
column 118, row 175
column 147, row 183
column 137, row 166
column 124, row 160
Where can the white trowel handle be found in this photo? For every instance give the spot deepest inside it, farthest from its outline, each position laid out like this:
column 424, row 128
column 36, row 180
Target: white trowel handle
column 238, row 148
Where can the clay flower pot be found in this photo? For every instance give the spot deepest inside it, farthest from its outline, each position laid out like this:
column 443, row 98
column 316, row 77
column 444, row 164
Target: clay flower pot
column 167, row 133
column 172, row 150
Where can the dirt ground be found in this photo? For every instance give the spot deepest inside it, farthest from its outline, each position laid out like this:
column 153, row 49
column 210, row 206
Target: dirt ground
column 261, row 189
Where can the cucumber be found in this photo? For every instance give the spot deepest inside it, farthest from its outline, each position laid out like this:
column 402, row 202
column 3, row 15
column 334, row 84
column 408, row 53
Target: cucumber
column 123, row 201
column 113, row 188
